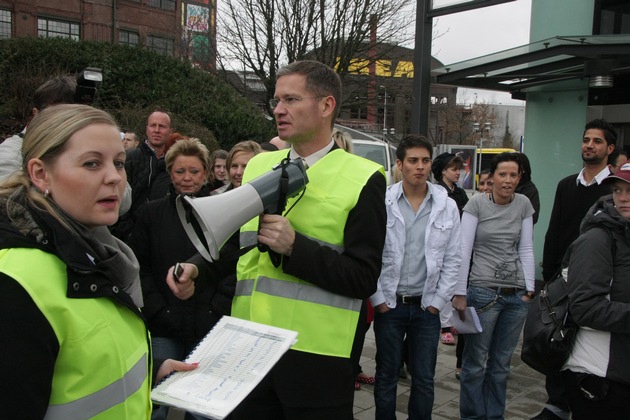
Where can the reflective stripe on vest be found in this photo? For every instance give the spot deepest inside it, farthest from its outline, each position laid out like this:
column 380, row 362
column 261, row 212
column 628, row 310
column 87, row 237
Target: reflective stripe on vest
column 298, row 291
column 103, row 399
column 251, row 238
column 102, row 367
column 326, row 322
column 244, row 287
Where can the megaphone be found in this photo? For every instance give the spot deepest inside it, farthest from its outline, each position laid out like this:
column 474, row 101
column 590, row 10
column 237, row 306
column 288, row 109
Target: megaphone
column 210, row 221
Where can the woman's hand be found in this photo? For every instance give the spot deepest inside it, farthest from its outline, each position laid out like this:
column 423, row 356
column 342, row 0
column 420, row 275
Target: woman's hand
column 459, row 304
column 183, row 288
column 528, row 297
column 169, row 366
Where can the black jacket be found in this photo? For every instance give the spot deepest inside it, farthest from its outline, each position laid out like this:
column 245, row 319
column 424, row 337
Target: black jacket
column 159, row 241
column 595, row 302
column 457, row 194
column 528, row 189
column 570, row 204
column 353, row 273
column 28, row 345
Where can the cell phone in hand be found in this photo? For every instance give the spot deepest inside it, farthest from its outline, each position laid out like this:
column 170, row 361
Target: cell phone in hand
column 178, row 271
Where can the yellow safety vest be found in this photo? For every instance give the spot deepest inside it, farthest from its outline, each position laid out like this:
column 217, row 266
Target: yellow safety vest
column 102, row 368
column 326, row 322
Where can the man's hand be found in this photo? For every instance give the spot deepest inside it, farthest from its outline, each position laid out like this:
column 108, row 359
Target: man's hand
column 381, row 308
column 277, row 233
column 459, row 303
column 433, row 310
column 185, row 287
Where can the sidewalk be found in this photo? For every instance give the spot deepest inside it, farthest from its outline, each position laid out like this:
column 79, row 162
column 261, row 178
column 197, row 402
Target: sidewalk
column 525, row 397
column 526, row 393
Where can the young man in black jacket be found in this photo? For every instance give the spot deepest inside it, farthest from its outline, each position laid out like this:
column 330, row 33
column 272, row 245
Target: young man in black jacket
column 575, row 194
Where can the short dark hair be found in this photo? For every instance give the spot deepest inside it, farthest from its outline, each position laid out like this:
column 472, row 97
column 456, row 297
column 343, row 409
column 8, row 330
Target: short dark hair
column 320, row 79
column 506, row 157
column 58, row 90
column 612, row 158
column 601, row 124
column 411, row 141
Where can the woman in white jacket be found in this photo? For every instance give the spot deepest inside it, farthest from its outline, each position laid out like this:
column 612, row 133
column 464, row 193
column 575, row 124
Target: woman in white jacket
column 419, row 271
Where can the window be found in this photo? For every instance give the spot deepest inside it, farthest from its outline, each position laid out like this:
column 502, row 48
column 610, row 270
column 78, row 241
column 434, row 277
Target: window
column 611, row 17
column 358, row 113
column 49, row 28
column 128, row 38
column 162, row 4
column 5, row 24
column 160, row 45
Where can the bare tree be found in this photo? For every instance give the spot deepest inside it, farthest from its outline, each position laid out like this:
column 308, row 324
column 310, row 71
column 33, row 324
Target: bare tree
column 483, row 114
column 249, row 36
column 262, row 35
column 457, row 123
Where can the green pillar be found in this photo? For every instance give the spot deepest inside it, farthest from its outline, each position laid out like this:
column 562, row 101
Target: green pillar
column 555, row 113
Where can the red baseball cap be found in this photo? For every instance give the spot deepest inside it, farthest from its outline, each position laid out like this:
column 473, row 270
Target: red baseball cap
column 623, row 174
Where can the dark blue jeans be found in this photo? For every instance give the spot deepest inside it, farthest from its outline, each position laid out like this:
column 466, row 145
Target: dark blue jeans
column 487, row 355
column 423, row 332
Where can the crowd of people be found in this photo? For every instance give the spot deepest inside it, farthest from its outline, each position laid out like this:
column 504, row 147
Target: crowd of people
column 92, row 316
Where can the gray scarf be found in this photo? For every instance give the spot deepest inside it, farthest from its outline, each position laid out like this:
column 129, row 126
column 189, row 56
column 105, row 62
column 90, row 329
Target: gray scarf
column 108, row 254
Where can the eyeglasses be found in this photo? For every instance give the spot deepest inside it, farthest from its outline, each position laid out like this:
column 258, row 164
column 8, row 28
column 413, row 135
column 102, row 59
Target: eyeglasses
column 290, row 101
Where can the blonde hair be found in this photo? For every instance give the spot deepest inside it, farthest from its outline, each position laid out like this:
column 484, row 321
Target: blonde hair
column 46, row 139
column 188, row 147
column 343, row 138
column 246, row 146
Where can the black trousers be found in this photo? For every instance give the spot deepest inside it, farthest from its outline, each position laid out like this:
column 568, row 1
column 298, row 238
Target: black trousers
column 302, row 386
column 592, row 397
column 556, row 392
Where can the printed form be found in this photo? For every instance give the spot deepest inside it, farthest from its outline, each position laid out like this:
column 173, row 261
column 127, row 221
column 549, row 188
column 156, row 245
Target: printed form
column 233, row 358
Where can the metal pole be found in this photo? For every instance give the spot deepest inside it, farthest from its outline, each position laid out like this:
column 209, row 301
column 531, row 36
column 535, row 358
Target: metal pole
column 480, row 151
column 385, row 112
column 421, row 71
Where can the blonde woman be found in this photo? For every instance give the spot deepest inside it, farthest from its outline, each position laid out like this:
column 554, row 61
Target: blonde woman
column 73, row 338
column 237, row 160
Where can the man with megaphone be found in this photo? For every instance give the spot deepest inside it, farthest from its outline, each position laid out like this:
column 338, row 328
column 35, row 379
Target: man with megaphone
column 329, row 241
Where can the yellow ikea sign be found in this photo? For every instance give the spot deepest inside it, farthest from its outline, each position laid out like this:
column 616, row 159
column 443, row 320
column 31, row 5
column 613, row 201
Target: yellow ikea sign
column 384, row 68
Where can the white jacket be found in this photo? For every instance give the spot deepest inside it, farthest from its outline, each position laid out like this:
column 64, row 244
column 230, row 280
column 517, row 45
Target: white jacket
column 441, row 249
column 10, row 156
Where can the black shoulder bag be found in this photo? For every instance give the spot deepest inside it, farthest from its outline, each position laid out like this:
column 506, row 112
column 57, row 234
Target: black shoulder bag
column 549, row 331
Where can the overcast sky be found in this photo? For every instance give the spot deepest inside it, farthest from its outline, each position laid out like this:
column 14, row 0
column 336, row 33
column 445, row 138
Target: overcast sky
column 479, row 32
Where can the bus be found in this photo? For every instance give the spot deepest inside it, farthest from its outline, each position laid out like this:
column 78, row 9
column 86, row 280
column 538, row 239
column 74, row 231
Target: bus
column 485, row 155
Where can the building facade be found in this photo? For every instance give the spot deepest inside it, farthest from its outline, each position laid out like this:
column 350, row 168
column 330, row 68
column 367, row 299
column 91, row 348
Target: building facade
column 173, row 27
column 378, row 94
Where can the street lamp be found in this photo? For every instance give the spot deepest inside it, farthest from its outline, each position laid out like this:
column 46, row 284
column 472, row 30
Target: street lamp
column 384, row 111
column 478, row 129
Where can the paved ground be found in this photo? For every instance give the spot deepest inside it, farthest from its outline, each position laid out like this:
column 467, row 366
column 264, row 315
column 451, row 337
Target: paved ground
column 525, row 397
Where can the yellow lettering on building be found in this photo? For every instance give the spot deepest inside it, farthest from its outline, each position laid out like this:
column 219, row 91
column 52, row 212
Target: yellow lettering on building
column 404, row 69
column 383, row 68
column 359, row 66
